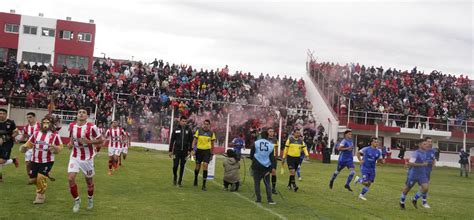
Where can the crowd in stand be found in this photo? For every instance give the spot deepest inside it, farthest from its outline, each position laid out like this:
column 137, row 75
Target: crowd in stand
column 144, row 94
column 436, row 96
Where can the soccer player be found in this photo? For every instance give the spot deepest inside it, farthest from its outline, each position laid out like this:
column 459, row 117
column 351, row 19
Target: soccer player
column 368, row 158
column 8, row 132
column 416, row 174
column 345, row 160
column 464, row 162
column 262, row 158
column 298, row 170
column 180, row 147
column 44, row 144
column 83, row 135
column 204, row 140
column 272, row 138
column 102, row 130
column 125, row 144
column 431, row 159
column 29, row 129
column 114, row 135
column 293, row 148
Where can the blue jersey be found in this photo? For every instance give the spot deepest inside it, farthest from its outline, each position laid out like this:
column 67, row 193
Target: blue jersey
column 371, row 155
column 418, row 157
column 238, row 145
column 430, row 156
column 263, row 149
column 346, row 155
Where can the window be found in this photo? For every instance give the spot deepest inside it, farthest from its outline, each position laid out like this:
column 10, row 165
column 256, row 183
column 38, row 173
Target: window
column 84, row 37
column 47, row 32
column 73, row 62
column 30, row 29
column 3, row 53
column 36, row 57
column 67, row 35
column 12, row 28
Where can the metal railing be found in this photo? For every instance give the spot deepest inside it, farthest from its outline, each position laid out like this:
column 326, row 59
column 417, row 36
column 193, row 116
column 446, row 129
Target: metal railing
column 408, row 121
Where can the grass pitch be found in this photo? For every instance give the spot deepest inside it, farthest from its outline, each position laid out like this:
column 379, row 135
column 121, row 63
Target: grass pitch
column 142, row 189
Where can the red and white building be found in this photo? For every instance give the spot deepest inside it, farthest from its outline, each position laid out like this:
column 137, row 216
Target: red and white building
column 47, row 40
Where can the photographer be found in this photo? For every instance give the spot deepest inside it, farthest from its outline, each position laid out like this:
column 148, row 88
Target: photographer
column 262, row 157
column 231, row 171
column 464, row 161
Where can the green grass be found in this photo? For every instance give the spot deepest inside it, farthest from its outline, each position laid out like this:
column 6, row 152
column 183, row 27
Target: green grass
column 142, row 189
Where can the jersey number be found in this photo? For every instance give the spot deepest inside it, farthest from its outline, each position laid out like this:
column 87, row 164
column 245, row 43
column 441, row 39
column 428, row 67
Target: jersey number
column 262, row 145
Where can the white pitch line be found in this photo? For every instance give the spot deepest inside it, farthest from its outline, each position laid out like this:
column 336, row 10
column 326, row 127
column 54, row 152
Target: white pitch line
column 247, row 199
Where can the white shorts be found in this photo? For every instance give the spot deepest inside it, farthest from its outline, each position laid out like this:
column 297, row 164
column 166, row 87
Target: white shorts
column 114, row 151
column 125, row 150
column 87, row 166
column 28, row 155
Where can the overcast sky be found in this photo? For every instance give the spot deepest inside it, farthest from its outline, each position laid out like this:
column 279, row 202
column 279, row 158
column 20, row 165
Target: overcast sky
column 273, row 37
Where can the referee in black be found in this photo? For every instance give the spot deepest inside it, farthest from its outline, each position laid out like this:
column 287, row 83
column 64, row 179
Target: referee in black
column 180, row 147
column 8, row 132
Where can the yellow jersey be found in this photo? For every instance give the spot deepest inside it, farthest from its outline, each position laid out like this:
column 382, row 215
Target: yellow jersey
column 204, row 139
column 294, row 147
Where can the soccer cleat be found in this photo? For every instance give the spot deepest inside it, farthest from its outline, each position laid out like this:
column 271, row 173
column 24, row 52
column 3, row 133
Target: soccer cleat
column 203, row 188
column 180, row 185
column 258, row 201
column 195, row 182
column 414, row 201
column 290, row 187
column 426, row 206
column 348, row 188
column 295, row 188
column 356, row 180
column 362, row 197
column 402, row 205
column 271, row 202
column 109, row 173
column 174, row 182
column 52, row 178
column 90, row 203
column 274, row 192
column 39, row 199
column 77, row 205
column 300, row 178
column 15, row 162
column 331, row 184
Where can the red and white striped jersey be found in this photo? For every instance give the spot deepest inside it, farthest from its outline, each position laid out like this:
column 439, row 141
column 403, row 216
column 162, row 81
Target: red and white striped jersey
column 41, row 143
column 115, row 137
column 126, row 140
column 29, row 130
column 88, row 131
column 102, row 130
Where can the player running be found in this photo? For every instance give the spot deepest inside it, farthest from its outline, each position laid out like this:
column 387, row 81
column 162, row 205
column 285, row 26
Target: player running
column 416, row 174
column 8, row 132
column 83, row 135
column 431, row 159
column 368, row 157
column 345, row 160
column 293, row 148
column 114, row 136
column 125, row 144
column 43, row 145
column 29, row 129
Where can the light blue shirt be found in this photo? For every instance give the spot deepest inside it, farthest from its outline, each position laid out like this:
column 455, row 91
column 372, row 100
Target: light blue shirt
column 263, row 149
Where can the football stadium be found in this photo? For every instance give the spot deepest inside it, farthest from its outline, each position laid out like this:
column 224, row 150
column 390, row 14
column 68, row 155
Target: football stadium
column 91, row 136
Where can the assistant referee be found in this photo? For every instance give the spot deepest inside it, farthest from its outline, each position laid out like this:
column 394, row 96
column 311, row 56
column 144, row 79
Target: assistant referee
column 204, row 140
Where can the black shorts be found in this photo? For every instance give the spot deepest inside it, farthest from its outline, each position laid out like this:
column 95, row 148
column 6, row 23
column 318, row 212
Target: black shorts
column 203, row 156
column 42, row 168
column 293, row 162
column 5, row 152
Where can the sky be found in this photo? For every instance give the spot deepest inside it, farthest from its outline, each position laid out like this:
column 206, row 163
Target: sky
column 275, row 36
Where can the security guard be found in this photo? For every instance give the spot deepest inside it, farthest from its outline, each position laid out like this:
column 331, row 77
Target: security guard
column 180, row 147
